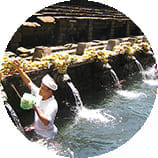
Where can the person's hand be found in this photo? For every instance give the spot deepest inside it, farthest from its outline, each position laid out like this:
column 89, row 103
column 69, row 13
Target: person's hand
column 34, row 107
column 29, row 128
column 17, row 64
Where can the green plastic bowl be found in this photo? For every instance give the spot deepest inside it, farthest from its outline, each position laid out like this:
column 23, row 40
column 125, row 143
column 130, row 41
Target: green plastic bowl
column 27, row 101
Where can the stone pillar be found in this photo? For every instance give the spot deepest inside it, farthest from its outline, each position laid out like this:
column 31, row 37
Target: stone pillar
column 128, row 28
column 81, row 47
column 90, row 30
column 112, row 43
column 41, row 51
column 62, row 31
column 112, row 31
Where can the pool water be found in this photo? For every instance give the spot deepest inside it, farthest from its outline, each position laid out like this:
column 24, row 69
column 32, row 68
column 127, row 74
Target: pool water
column 103, row 124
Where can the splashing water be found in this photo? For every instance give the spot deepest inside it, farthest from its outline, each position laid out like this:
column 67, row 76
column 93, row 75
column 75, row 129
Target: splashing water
column 151, row 72
column 152, row 77
column 93, row 115
column 140, row 67
column 131, row 94
column 151, row 82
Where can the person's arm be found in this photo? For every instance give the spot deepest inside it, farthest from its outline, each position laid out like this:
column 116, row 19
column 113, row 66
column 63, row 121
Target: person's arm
column 23, row 75
column 41, row 116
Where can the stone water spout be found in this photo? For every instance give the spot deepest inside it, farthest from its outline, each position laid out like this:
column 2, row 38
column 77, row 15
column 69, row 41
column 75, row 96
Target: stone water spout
column 78, row 101
column 113, row 74
column 107, row 66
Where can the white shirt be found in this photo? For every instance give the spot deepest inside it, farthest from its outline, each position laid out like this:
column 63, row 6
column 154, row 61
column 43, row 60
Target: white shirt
column 49, row 108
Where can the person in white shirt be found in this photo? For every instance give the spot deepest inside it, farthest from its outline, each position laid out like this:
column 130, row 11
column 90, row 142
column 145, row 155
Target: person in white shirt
column 46, row 106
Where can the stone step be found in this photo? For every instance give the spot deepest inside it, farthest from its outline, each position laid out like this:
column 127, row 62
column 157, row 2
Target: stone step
column 89, row 18
column 80, row 10
column 59, row 7
column 35, row 17
column 80, row 15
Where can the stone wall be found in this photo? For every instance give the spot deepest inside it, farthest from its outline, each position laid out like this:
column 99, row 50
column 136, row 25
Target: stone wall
column 86, row 77
column 68, row 23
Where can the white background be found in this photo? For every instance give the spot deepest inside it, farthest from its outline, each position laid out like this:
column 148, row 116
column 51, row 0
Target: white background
column 13, row 14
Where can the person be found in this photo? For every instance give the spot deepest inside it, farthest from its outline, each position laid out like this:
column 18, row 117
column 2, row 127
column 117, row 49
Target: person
column 46, row 106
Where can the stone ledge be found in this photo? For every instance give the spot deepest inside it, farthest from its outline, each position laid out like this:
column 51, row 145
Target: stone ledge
column 46, row 19
column 31, row 24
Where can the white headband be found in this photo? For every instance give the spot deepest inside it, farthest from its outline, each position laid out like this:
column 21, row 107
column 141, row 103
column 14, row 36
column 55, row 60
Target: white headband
column 48, row 81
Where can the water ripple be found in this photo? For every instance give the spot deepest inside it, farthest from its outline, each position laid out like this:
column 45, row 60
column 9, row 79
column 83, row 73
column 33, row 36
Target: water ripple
column 131, row 94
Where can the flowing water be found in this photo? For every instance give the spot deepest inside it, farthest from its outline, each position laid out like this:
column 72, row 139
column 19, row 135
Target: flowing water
column 76, row 94
column 103, row 125
column 140, row 67
column 115, row 78
column 114, row 75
